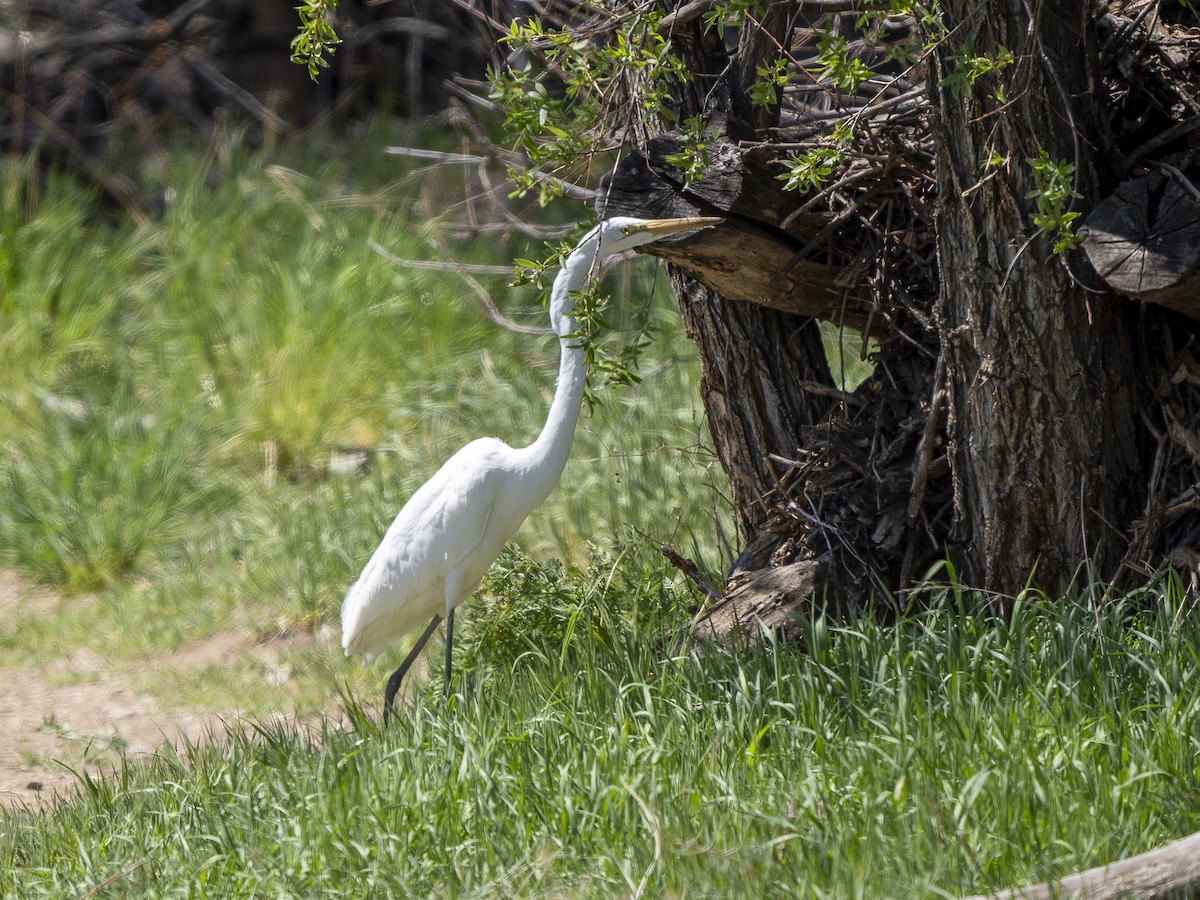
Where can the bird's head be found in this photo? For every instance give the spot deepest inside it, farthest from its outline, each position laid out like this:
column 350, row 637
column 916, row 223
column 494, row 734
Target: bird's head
column 612, row 236
column 622, row 233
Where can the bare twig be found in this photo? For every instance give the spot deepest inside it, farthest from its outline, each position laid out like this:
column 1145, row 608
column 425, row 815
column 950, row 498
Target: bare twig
column 112, row 879
column 569, row 189
column 684, row 14
column 692, row 571
column 464, row 271
column 1161, row 139
column 922, row 461
column 456, row 159
column 235, row 92
column 434, row 265
column 824, row 390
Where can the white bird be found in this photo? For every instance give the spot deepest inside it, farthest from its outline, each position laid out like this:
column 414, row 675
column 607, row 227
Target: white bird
column 435, row 554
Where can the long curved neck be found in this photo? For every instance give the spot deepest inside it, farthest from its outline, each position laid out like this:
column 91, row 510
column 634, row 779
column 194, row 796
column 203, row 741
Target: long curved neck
column 553, row 446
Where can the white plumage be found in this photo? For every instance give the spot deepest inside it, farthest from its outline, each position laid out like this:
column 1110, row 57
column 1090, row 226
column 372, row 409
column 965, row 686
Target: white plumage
column 451, row 530
column 438, row 548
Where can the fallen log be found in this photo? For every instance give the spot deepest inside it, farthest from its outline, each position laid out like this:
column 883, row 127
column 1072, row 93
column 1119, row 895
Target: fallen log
column 1144, row 241
column 1170, row 871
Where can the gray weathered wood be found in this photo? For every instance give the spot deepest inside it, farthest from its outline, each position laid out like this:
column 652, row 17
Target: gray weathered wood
column 763, row 602
column 1170, row 871
column 1144, row 241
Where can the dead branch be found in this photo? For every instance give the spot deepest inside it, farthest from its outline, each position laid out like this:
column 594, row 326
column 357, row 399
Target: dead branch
column 465, row 271
column 692, row 571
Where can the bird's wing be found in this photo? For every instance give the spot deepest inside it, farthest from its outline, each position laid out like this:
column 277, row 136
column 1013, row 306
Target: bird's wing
column 436, row 533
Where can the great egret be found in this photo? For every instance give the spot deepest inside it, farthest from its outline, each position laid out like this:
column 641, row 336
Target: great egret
column 451, row 530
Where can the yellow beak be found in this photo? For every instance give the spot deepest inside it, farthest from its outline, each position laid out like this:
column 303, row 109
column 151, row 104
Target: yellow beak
column 660, row 227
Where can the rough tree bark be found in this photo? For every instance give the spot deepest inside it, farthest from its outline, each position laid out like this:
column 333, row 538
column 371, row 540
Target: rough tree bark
column 1038, row 366
column 749, row 356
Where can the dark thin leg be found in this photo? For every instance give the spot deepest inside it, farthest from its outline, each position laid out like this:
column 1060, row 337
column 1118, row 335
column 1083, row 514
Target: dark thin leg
column 449, row 650
column 393, row 685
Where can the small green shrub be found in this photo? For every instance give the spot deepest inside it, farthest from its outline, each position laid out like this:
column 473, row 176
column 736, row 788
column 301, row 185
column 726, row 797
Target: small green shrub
column 529, row 610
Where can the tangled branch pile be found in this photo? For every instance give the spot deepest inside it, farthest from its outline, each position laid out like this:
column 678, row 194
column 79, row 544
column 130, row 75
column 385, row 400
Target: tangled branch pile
column 1153, row 97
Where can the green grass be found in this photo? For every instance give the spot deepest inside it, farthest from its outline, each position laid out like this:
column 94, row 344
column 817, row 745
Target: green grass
column 942, row 755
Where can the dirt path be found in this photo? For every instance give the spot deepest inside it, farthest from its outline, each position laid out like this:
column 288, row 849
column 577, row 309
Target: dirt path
column 48, row 713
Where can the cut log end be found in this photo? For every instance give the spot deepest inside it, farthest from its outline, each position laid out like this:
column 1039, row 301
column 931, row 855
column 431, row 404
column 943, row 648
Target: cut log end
column 1144, row 241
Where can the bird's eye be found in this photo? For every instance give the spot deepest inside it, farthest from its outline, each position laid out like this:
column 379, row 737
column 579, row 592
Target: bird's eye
column 626, row 229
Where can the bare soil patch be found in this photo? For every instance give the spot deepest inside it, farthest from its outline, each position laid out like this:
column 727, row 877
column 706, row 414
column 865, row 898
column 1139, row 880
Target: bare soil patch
column 76, row 707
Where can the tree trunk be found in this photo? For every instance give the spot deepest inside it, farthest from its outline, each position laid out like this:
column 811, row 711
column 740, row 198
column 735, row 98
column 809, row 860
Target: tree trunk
column 752, row 358
column 1038, row 367
column 753, row 363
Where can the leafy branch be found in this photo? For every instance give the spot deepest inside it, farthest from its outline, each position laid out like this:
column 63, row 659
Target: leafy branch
column 773, row 78
column 607, row 367
column 1052, row 196
column 970, row 66
column 612, row 360
column 316, row 38
column 836, row 66
column 809, row 171
column 692, row 159
column 560, row 107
